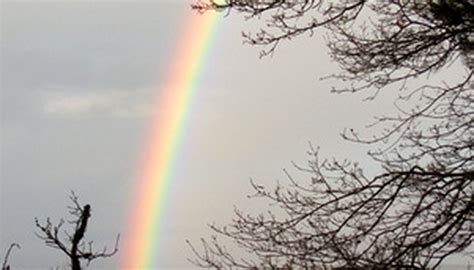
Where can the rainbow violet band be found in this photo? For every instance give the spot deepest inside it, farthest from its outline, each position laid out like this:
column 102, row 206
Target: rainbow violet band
column 140, row 247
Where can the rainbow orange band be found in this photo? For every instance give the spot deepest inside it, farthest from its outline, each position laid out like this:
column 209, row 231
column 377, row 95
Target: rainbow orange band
column 140, row 248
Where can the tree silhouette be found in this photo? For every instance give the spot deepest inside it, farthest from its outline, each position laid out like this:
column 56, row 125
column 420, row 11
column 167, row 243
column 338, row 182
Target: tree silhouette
column 73, row 246
column 419, row 208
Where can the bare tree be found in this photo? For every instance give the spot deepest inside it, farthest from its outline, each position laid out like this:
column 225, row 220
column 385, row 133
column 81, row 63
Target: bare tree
column 414, row 36
column 73, row 245
column 419, row 208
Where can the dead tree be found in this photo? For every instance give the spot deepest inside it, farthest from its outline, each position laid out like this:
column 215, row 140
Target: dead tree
column 73, row 245
column 418, row 208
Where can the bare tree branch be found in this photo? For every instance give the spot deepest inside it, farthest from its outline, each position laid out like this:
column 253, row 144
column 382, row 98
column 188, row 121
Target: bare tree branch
column 74, row 246
column 5, row 265
column 419, row 208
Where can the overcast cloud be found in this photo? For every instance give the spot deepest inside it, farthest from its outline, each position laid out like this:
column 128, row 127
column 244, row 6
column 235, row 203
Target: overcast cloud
column 78, row 81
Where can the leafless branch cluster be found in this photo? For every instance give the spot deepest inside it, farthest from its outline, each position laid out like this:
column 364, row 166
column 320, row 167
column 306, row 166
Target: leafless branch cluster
column 73, row 245
column 402, row 39
column 419, row 208
column 405, row 217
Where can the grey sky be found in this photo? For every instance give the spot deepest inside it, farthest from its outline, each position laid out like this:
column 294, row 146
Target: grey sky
column 77, row 84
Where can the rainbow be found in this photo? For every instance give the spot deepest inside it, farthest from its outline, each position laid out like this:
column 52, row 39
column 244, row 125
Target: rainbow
column 139, row 250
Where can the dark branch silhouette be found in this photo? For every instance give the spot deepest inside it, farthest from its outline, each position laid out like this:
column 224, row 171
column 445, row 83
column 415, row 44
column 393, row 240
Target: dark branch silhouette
column 5, row 265
column 74, row 246
column 418, row 209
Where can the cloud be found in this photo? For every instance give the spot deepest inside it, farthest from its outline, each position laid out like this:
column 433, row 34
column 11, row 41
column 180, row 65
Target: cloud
column 109, row 103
